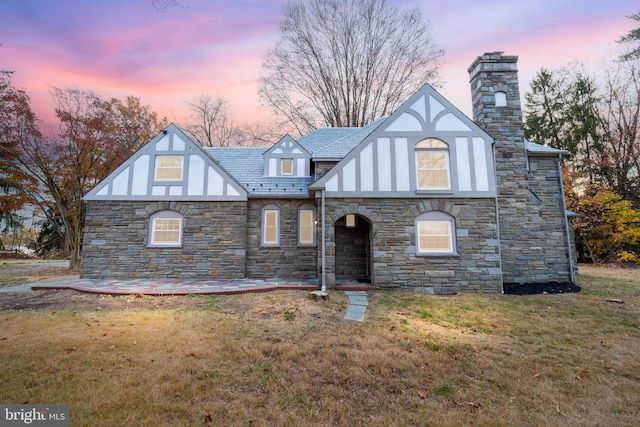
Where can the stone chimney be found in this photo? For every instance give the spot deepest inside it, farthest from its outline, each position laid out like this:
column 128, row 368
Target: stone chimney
column 495, row 95
column 496, row 108
column 535, row 239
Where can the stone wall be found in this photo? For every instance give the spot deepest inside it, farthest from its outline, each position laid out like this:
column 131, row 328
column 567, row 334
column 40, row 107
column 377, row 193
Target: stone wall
column 547, row 257
column 533, row 242
column 475, row 267
column 321, row 168
column 117, row 233
column 288, row 260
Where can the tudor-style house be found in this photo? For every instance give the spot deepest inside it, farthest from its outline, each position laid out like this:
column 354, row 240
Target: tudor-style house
column 425, row 198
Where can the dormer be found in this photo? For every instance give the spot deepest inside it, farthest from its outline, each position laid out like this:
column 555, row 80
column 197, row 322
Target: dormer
column 286, row 159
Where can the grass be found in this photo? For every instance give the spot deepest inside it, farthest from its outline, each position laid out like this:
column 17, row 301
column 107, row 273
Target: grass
column 499, row 360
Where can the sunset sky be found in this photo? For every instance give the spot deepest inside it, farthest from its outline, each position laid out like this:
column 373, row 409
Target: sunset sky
column 126, row 47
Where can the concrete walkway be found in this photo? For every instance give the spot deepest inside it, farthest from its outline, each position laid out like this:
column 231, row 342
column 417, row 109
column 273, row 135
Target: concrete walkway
column 358, row 304
column 169, row 286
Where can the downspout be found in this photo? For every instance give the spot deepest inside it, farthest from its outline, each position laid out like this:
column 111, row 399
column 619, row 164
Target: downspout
column 493, row 149
column 324, row 264
column 572, row 273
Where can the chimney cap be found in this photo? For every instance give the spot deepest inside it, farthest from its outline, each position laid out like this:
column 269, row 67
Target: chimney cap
column 496, row 57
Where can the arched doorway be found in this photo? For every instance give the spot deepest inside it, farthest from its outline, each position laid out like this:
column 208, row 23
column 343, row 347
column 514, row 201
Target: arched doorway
column 353, row 249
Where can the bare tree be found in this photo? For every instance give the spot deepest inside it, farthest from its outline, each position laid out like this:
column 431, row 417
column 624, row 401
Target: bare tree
column 212, row 122
column 619, row 160
column 260, row 135
column 346, row 62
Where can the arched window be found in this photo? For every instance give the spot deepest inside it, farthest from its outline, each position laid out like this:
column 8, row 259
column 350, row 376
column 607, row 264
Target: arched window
column 501, row 99
column 306, row 225
column 432, row 165
column 166, row 229
column 270, row 225
column 435, row 234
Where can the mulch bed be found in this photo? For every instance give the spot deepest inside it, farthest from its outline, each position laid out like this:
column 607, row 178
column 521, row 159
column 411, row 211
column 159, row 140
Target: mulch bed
column 540, row 288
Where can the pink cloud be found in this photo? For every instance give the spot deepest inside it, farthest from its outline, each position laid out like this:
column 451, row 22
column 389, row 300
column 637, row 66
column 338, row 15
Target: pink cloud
column 122, row 48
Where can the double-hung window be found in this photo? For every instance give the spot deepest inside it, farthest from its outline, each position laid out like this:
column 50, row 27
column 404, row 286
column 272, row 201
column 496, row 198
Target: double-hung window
column 168, row 168
column 306, row 226
column 270, row 226
column 432, row 165
column 166, row 229
column 435, row 233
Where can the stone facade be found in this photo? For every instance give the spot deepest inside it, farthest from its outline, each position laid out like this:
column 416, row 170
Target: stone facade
column 515, row 232
column 288, row 259
column 547, row 257
column 394, row 263
column 531, row 212
column 117, row 234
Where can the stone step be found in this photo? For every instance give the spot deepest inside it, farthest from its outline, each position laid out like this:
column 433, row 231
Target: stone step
column 358, row 304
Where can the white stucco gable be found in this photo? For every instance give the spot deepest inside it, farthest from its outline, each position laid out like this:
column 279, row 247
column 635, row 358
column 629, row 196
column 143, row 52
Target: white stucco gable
column 384, row 164
column 287, row 158
column 169, row 167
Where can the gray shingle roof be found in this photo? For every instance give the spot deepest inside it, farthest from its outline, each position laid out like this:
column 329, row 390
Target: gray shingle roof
column 320, row 138
column 339, row 148
column 542, row 150
column 246, row 165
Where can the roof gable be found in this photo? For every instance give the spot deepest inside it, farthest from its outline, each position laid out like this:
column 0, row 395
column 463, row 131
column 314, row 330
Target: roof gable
column 287, row 147
column 198, row 176
column 287, row 158
column 383, row 164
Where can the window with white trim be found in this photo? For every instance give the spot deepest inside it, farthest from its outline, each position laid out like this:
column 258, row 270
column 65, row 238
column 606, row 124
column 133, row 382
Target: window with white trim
column 166, row 229
column 286, row 166
column 270, row 225
column 306, row 226
column 432, row 165
column 435, row 233
column 168, row 168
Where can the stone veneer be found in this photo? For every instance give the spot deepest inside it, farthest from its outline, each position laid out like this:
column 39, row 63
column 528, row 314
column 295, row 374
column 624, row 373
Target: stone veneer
column 546, row 257
column 475, row 267
column 531, row 212
column 288, row 259
column 117, row 232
